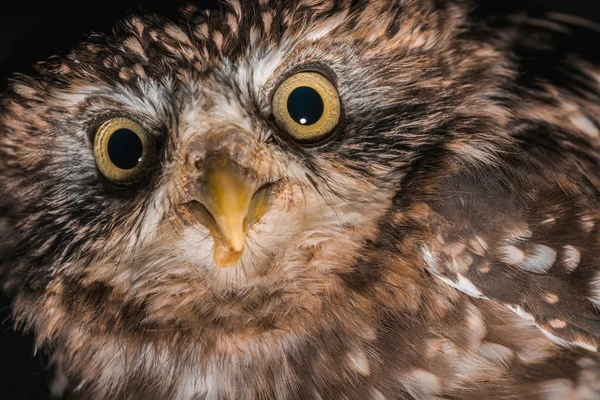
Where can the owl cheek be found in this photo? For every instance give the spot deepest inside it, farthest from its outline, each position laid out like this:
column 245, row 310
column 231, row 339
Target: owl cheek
column 222, row 191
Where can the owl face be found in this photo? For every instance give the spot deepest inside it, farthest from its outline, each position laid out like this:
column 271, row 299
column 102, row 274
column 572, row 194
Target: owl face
column 240, row 153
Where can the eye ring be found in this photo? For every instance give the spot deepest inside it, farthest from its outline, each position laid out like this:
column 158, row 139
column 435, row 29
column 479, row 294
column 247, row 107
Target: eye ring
column 306, row 106
column 124, row 151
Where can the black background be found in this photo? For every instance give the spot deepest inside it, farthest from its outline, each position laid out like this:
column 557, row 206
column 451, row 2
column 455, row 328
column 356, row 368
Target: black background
column 30, row 32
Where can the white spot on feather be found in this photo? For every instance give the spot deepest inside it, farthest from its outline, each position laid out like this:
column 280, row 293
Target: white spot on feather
column 478, row 245
column 587, row 223
column 201, row 31
column 421, row 384
column 586, row 346
column 540, row 261
column 520, row 312
column 511, row 255
column 430, row 259
column 572, row 257
column 518, row 233
column 464, row 285
column 496, row 353
column 432, row 347
column 586, row 362
column 454, row 249
column 267, row 19
column 548, row 221
column 559, row 341
column 566, row 343
column 133, row 44
column 359, row 362
column 586, row 125
column 177, row 33
column 557, row 323
column 551, row 298
column 377, row 395
column 477, row 329
column 233, row 23
column 463, row 262
column 558, row 389
column 595, row 290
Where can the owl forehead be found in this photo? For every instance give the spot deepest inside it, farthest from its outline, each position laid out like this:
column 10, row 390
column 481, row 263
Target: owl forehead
column 210, row 50
column 163, row 69
column 243, row 43
column 232, row 85
column 231, row 92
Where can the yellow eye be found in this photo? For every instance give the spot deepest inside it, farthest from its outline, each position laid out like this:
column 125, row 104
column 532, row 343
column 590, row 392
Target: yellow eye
column 306, row 106
column 124, row 151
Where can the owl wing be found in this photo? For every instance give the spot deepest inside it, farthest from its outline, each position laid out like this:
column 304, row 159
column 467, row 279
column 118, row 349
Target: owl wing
column 525, row 232
column 524, row 241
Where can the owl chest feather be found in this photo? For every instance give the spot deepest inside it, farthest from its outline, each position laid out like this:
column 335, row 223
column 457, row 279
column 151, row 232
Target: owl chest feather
column 399, row 356
column 398, row 334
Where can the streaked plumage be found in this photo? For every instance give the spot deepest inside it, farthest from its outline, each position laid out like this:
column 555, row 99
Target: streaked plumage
column 441, row 242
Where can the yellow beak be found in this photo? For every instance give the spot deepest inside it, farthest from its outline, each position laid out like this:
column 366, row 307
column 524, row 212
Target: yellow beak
column 230, row 197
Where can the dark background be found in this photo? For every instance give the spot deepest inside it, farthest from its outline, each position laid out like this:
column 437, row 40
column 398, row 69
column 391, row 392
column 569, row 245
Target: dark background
column 30, row 32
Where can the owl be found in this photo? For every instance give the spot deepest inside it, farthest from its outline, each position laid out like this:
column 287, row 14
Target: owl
column 310, row 199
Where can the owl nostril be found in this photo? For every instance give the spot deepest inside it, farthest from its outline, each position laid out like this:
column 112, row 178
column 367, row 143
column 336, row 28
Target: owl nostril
column 194, row 160
column 198, row 161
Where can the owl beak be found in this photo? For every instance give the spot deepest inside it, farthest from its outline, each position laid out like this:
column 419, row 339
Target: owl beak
column 234, row 200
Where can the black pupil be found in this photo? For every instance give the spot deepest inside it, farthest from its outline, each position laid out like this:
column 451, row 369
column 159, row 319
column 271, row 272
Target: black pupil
column 305, row 105
column 125, row 148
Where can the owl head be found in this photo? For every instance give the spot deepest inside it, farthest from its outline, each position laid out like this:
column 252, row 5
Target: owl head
column 165, row 172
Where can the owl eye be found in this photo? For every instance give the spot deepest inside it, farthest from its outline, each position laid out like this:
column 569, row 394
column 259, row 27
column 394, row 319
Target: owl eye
column 124, row 151
column 306, row 106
